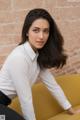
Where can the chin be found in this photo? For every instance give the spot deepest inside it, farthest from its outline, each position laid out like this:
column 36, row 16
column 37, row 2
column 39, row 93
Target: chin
column 40, row 47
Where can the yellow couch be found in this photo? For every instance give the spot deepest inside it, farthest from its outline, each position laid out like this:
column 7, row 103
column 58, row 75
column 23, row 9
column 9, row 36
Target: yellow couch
column 46, row 107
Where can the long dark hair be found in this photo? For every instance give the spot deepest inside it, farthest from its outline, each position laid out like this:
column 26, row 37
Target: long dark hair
column 52, row 54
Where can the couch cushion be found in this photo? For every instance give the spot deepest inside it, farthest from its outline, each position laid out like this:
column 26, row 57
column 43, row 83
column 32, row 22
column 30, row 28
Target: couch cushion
column 71, row 87
column 15, row 105
column 45, row 105
column 44, row 102
column 66, row 116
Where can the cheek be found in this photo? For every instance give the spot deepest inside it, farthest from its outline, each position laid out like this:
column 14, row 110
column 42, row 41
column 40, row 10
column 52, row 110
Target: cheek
column 46, row 37
column 31, row 36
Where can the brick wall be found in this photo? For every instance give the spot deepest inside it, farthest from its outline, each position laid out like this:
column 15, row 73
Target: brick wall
column 65, row 12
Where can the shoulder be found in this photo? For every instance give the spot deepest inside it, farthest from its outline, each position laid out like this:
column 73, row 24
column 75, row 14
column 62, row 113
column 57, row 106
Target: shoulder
column 17, row 55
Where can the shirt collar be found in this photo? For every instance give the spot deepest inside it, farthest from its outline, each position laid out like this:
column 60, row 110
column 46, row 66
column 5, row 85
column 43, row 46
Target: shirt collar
column 30, row 51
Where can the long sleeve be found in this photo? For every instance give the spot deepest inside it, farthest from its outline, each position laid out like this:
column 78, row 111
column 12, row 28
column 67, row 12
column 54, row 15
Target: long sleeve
column 18, row 69
column 54, row 88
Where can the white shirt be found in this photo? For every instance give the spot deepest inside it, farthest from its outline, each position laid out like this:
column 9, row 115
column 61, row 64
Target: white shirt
column 20, row 72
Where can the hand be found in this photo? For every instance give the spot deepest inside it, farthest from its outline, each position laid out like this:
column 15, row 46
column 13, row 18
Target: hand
column 72, row 111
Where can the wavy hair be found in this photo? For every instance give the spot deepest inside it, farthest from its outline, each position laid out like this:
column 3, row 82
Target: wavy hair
column 52, row 54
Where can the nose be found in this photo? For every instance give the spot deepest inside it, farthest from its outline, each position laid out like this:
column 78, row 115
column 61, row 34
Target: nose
column 41, row 35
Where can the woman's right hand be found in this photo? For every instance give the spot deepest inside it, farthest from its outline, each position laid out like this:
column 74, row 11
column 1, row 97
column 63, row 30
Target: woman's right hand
column 72, row 111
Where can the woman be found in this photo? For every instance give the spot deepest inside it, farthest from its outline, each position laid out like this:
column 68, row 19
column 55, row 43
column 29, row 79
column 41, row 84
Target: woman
column 41, row 48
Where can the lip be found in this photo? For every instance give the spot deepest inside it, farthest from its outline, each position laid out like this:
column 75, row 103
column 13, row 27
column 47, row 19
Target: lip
column 40, row 41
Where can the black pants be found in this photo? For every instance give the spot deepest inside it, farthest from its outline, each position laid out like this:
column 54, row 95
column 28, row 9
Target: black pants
column 7, row 113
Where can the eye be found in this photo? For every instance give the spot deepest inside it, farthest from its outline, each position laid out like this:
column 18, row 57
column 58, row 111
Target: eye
column 36, row 30
column 46, row 31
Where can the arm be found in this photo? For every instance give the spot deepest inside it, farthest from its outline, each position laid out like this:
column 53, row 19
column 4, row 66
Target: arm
column 57, row 92
column 55, row 89
column 18, row 69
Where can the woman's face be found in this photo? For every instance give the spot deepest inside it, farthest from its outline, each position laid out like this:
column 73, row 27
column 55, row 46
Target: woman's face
column 38, row 33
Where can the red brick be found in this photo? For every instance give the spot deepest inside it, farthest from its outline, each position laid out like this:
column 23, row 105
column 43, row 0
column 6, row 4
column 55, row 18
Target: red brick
column 7, row 17
column 5, row 5
column 70, row 14
column 12, row 28
column 71, row 33
column 20, row 15
column 19, row 5
column 6, row 49
column 2, row 59
column 50, row 5
column 9, row 39
column 68, row 3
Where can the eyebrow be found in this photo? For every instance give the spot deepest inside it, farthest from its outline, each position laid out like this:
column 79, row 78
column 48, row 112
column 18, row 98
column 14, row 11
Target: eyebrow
column 39, row 28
